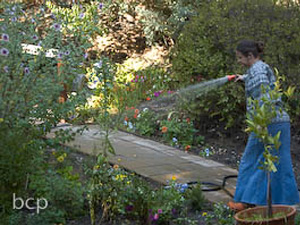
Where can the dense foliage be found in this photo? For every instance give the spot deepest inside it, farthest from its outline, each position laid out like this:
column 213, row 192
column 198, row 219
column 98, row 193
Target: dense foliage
column 31, row 105
column 206, row 47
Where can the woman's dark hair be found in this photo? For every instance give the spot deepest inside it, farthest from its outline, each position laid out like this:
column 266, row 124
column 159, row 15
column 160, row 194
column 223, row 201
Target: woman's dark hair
column 248, row 46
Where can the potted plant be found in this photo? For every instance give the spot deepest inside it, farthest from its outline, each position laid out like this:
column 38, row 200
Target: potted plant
column 258, row 122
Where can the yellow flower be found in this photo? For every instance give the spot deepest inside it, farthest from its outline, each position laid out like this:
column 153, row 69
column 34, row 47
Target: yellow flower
column 204, row 214
column 96, row 167
column 174, row 177
column 60, row 159
column 128, row 182
column 120, row 177
column 1, row 120
column 119, row 160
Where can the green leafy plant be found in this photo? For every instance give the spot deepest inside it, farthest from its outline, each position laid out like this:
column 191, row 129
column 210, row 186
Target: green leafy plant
column 29, row 105
column 195, row 198
column 118, row 192
column 264, row 110
column 207, row 43
column 221, row 215
column 178, row 131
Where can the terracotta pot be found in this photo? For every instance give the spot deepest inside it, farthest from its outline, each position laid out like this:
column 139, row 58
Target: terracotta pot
column 289, row 219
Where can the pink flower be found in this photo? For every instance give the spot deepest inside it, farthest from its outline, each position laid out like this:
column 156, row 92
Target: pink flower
column 156, row 216
column 159, row 211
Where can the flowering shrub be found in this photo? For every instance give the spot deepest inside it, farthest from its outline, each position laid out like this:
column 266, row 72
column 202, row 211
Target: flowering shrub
column 221, row 215
column 145, row 84
column 116, row 191
column 144, row 122
column 121, row 195
column 30, row 87
column 179, row 132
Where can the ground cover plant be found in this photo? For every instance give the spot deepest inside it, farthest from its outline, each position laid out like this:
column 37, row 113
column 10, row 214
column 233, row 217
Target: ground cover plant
column 116, row 96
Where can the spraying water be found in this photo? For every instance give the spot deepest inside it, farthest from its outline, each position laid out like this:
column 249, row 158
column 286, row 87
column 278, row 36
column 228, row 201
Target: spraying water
column 191, row 92
column 196, row 90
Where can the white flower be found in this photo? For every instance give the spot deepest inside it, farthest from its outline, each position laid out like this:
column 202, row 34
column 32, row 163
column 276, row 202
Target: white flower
column 5, row 68
column 5, row 37
column 130, row 125
column 174, row 139
column 57, row 26
column 26, row 70
column 81, row 15
column 98, row 64
column 4, row 52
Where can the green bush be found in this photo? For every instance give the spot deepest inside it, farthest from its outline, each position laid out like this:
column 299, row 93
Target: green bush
column 206, row 47
column 30, row 86
column 179, row 132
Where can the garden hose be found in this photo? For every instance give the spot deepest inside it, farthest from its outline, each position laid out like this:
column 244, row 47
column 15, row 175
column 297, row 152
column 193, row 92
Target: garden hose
column 214, row 187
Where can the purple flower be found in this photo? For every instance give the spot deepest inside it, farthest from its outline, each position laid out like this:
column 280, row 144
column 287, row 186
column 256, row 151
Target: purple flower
column 40, row 43
column 81, row 15
column 33, row 20
column 129, row 208
column 67, row 52
column 100, row 6
column 159, row 211
column 5, row 68
column 57, row 26
column 5, row 37
column 34, row 37
column 156, row 94
column 173, row 211
column 59, row 55
column 14, row 19
column 4, row 52
column 156, row 216
column 26, row 70
column 86, row 55
column 207, row 152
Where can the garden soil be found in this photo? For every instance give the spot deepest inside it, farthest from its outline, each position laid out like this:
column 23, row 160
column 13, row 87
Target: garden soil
column 226, row 147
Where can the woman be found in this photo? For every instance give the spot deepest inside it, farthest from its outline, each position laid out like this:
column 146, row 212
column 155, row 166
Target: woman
column 251, row 188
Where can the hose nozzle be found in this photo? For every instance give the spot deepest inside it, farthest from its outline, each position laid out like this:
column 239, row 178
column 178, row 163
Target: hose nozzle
column 231, row 77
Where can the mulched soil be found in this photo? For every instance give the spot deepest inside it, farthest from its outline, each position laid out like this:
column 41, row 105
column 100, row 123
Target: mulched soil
column 228, row 150
column 227, row 147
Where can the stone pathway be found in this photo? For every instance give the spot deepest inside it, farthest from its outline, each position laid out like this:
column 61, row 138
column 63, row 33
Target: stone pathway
column 156, row 161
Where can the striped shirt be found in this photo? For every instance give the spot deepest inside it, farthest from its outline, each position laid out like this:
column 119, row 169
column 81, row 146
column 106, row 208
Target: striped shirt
column 260, row 74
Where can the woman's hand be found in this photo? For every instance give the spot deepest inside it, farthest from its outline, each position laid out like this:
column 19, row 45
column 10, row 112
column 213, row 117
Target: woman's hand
column 238, row 78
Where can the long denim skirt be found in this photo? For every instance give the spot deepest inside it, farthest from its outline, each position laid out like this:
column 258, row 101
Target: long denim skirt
column 252, row 182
